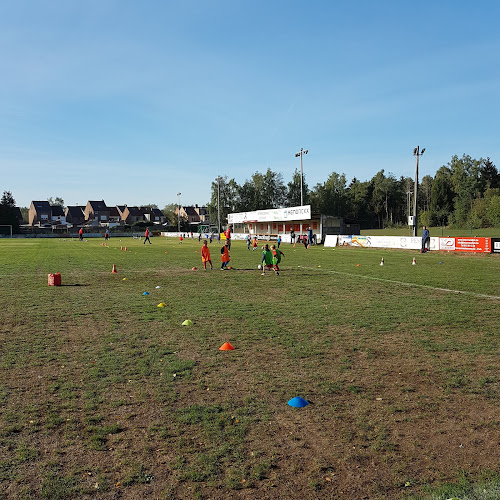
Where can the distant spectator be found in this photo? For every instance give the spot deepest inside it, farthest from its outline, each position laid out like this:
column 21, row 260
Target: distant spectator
column 426, row 240
column 146, row 236
column 80, row 234
column 292, row 236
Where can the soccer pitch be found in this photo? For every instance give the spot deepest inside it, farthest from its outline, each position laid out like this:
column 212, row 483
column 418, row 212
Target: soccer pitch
column 106, row 395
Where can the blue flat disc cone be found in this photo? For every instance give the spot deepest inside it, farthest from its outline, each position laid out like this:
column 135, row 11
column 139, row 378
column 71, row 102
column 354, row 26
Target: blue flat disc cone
column 298, row 402
column 145, row 293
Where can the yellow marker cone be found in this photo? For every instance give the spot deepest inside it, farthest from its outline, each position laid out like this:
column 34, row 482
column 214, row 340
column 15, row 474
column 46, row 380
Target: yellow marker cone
column 187, row 322
column 161, row 304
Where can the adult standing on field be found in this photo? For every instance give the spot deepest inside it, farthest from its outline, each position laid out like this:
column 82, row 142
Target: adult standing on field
column 310, row 235
column 80, row 234
column 426, row 240
column 146, row 236
column 292, row 236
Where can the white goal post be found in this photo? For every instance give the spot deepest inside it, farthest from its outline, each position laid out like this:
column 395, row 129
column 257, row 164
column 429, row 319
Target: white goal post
column 7, row 225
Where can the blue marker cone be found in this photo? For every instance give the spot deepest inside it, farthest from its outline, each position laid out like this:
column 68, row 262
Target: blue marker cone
column 298, row 402
column 145, row 293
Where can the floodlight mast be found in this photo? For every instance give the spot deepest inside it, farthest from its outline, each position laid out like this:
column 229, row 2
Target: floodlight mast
column 219, row 178
column 179, row 212
column 417, row 153
column 301, row 153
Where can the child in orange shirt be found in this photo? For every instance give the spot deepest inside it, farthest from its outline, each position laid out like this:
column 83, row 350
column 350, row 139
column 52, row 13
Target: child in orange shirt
column 254, row 243
column 224, row 256
column 205, row 255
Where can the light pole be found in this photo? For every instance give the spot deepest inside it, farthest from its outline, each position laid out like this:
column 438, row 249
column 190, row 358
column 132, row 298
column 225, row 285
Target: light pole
column 408, row 199
column 301, row 153
column 219, row 178
column 179, row 212
column 417, row 153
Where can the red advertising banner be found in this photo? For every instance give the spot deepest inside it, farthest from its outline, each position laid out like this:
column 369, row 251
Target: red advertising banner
column 482, row 245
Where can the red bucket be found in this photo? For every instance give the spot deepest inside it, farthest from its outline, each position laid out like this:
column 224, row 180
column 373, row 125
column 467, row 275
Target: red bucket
column 55, row 279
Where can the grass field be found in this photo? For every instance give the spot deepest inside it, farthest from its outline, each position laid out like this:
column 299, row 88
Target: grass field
column 105, row 395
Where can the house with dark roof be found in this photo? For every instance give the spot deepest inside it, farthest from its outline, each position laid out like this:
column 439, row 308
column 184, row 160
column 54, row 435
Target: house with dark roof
column 189, row 214
column 114, row 216
column 75, row 215
column 121, row 209
column 16, row 211
column 154, row 215
column 97, row 212
column 58, row 216
column 132, row 214
column 39, row 213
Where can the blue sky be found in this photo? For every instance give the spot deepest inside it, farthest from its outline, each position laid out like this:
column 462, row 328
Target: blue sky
column 132, row 102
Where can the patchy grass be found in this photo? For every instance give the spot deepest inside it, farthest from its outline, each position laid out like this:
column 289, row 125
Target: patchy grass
column 105, row 395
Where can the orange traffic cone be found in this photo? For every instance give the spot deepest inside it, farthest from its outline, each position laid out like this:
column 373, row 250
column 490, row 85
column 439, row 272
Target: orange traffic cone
column 114, row 269
column 414, row 263
column 226, row 347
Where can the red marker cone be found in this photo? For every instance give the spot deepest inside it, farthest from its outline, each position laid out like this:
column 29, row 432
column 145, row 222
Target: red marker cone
column 226, row 347
column 121, row 248
column 194, row 269
column 114, row 269
column 125, row 249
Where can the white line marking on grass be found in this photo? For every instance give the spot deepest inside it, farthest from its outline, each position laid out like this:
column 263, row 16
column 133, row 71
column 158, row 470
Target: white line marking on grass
column 374, row 278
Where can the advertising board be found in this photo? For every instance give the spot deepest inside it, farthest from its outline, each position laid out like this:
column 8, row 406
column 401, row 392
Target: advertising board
column 481, row 245
column 495, row 245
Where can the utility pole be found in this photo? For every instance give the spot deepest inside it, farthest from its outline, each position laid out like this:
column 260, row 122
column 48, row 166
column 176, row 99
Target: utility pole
column 301, row 153
column 417, row 153
column 179, row 212
column 219, row 178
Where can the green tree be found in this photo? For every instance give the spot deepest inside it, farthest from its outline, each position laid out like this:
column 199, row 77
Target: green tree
column 441, row 197
column 169, row 213
column 425, row 192
column 490, row 177
column 56, row 201
column 7, row 213
column 293, row 198
column 465, row 178
column 331, row 197
column 358, row 196
column 224, row 192
column 492, row 196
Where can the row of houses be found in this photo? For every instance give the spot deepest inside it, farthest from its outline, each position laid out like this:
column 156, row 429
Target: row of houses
column 97, row 213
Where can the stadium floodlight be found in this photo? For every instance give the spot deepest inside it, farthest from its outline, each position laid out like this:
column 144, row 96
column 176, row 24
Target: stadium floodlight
column 301, row 153
column 219, row 178
column 417, row 153
column 179, row 212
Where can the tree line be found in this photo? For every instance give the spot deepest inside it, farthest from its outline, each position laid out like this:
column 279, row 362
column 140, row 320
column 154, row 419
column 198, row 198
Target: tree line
column 463, row 193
